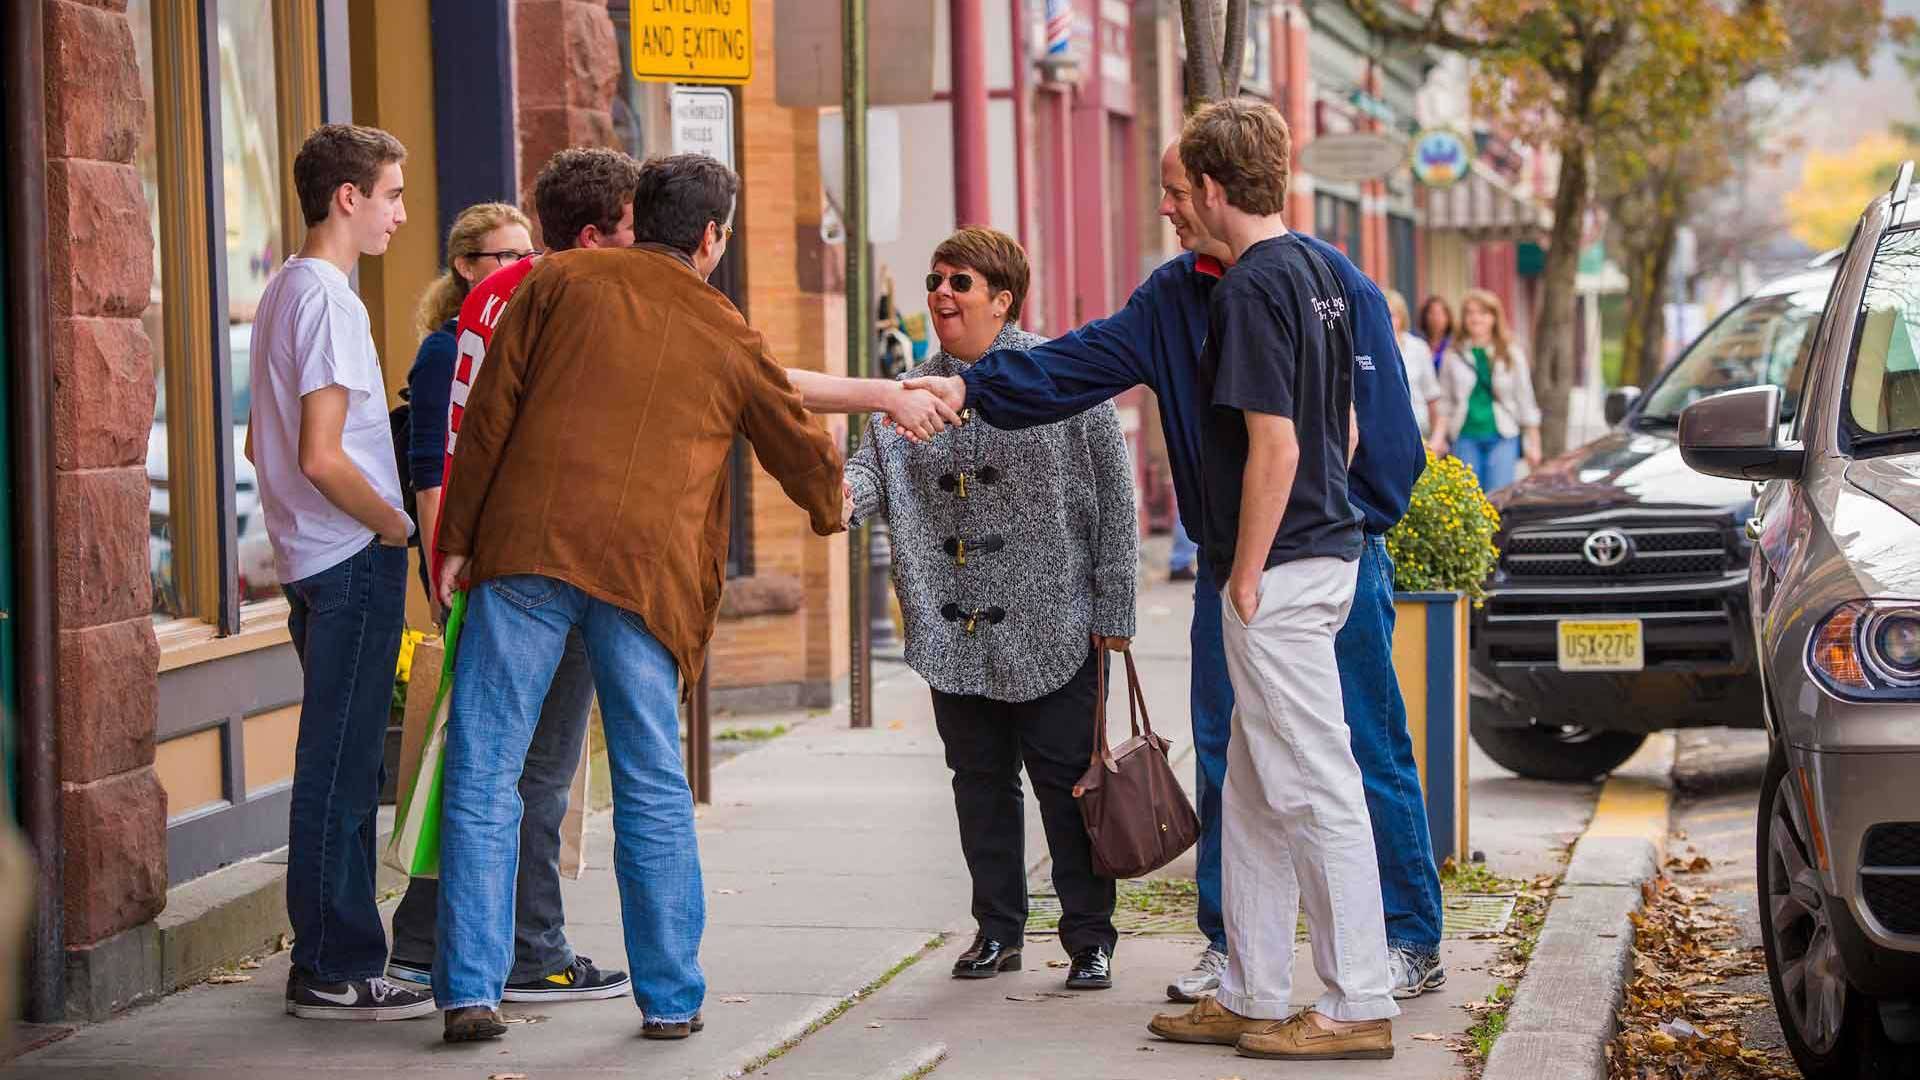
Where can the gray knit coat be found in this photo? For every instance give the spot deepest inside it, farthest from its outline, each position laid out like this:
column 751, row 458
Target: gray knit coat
column 1051, row 542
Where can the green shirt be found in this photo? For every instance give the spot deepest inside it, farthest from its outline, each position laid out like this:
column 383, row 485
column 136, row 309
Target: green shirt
column 1480, row 423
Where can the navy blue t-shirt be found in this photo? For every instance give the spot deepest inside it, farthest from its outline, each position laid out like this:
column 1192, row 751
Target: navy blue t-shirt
column 429, row 388
column 1280, row 342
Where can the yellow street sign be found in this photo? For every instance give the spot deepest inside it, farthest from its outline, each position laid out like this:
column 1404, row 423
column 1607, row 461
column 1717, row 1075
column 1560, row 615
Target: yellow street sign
column 692, row 41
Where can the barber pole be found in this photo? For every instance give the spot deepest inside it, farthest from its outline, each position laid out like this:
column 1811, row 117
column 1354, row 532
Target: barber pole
column 1059, row 26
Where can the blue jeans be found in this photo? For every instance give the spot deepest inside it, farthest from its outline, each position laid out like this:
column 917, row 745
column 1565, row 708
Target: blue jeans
column 1376, row 722
column 515, row 632
column 345, row 622
column 1185, row 551
column 1492, row 460
column 540, row 944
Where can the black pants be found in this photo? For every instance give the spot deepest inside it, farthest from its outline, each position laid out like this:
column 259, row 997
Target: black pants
column 986, row 743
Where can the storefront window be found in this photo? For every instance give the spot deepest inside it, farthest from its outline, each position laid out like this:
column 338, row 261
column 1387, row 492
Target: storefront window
column 250, row 171
column 642, row 111
column 160, row 564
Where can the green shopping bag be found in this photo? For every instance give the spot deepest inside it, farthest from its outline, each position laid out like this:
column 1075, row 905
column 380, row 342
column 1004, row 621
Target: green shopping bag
column 414, row 849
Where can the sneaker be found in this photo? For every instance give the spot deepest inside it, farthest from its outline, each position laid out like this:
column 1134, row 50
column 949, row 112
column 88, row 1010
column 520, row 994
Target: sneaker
column 1203, row 979
column 377, row 998
column 1183, row 573
column 1413, row 973
column 419, row 973
column 473, row 1024
column 671, row 1029
column 578, row 981
column 1309, row 1036
column 1207, row 1022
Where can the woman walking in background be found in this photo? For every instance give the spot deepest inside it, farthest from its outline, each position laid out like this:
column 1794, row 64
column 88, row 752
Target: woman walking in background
column 1436, row 326
column 1423, row 383
column 1496, row 420
column 484, row 238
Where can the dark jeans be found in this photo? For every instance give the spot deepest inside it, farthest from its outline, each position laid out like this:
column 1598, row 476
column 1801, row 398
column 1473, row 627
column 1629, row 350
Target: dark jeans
column 540, row 944
column 346, row 623
column 1377, row 724
column 986, row 743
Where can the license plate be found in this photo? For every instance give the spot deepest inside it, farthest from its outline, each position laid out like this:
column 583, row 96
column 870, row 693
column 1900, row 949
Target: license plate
column 1601, row 645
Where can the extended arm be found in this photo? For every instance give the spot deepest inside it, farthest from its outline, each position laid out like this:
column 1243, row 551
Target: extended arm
column 917, row 412
column 797, row 451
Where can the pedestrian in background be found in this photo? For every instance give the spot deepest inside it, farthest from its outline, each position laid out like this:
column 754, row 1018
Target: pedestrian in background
column 584, row 198
column 321, row 444
column 1423, row 383
column 591, row 495
column 1495, row 418
column 1015, row 556
column 1436, row 327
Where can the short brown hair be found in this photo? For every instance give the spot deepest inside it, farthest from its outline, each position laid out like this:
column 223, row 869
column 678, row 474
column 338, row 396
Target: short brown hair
column 679, row 196
column 1244, row 145
column 338, row 154
column 582, row 186
column 995, row 256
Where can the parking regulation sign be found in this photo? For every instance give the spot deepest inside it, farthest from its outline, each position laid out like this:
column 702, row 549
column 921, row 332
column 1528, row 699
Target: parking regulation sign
column 692, row 41
column 703, row 122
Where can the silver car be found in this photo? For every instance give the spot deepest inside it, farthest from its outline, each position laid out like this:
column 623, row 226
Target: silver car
column 1835, row 595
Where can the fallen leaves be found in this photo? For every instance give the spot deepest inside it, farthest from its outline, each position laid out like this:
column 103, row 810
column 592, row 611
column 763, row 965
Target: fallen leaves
column 1431, row 1036
column 735, row 999
column 1674, row 1025
column 227, row 978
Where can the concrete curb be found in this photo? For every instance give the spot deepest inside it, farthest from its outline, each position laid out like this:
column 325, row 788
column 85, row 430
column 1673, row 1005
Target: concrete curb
column 1564, row 1009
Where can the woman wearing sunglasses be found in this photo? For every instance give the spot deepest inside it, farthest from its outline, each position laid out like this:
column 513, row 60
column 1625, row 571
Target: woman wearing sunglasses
column 1014, row 557
column 484, row 238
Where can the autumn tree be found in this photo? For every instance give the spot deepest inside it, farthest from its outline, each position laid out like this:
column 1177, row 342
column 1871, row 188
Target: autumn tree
column 1572, row 75
column 1835, row 187
column 1216, row 37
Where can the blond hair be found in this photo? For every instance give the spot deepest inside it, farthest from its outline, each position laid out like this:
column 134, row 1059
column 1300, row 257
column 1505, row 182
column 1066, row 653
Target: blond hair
column 1502, row 338
column 443, row 298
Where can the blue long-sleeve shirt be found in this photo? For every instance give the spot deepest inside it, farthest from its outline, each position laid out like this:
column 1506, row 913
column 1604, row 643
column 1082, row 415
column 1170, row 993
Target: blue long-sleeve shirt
column 1155, row 341
column 429, row 390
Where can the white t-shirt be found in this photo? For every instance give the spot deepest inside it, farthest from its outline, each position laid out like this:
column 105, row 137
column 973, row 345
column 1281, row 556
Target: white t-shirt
column 311, row 332
column 1423, row 384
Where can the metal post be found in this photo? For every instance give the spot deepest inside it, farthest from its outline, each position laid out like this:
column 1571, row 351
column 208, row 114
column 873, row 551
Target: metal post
column 700, row 741
column 968, row 53
column 853, row 26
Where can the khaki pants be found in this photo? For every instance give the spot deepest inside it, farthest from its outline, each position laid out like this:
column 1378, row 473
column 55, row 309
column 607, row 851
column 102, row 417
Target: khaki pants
column 1294, row 825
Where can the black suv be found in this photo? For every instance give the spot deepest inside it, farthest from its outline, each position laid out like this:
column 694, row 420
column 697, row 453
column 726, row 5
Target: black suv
column 1619, row 604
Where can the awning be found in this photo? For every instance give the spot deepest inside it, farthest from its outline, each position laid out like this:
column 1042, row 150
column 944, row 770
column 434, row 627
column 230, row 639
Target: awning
column 1485, row 207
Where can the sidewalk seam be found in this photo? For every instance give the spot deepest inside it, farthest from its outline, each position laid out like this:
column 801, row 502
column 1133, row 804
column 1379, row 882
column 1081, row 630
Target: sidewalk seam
column 1575, row 961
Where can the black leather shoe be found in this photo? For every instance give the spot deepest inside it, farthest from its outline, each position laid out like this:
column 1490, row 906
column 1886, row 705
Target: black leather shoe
column 1092, row 969
column 986, row 958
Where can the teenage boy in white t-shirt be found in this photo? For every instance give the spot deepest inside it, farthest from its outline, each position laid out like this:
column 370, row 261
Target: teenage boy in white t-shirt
column 322, row 447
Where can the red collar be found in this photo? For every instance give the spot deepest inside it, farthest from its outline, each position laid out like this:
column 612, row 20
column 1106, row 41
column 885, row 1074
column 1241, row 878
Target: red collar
column 1208, row 265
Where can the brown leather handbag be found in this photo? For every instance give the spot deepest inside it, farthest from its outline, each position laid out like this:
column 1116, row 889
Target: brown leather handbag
column 1136, row 812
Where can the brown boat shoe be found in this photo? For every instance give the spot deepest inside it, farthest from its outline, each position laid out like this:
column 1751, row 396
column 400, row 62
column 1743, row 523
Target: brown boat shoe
column 1309, row 1036
column 1207, row 1021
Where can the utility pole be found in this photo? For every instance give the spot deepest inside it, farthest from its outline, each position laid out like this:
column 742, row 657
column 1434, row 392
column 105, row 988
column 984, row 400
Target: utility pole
column 853, row 114
column 968, row 53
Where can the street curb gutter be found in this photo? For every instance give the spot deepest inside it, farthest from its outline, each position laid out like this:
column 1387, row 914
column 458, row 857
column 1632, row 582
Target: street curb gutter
column 1563, row 1013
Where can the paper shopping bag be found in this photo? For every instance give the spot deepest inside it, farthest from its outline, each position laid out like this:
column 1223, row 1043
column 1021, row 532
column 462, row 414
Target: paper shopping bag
column 415, row 847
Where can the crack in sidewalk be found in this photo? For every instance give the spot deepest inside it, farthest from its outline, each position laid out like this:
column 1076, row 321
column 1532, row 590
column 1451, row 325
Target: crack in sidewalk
column 840, row 1008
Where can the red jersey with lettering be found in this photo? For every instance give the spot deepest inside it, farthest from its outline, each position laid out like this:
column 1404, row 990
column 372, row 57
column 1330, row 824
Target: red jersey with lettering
column 479, row 314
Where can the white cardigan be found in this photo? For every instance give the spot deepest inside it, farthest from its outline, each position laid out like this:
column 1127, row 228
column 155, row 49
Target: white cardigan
column 1514, row 406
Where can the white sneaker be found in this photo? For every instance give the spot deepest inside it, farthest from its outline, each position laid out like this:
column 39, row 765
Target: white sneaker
column 1414, row 975
column 1204, row 979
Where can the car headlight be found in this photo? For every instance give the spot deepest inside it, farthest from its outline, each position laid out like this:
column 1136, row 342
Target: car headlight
column 1869, row 649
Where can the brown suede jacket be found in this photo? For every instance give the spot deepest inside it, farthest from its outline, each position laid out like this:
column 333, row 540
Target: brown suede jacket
column 595, row 443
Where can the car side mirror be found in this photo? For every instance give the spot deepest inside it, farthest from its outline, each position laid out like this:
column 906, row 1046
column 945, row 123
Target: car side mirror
column 1737, row 435
column 1619, row 402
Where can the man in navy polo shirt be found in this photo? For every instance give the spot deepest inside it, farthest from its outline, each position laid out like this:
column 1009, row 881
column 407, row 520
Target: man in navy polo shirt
column 1157, row 341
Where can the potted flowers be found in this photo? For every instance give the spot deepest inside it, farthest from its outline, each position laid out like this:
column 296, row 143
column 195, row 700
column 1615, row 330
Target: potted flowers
column 1442, row 552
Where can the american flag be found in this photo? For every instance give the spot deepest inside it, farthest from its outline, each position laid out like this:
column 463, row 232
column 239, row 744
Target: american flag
column 1059, row 26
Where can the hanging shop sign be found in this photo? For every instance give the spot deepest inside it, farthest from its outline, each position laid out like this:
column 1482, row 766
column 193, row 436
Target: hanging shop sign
column 692, row 41
column 1353, row 156
column 1441, row 157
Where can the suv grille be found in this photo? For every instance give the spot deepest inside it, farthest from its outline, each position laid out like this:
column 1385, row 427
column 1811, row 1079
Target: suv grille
column 1652, row 551
column 1894, row 898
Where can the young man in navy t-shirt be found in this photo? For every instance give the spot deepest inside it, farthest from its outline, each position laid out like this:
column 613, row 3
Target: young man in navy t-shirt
column 1282, row 540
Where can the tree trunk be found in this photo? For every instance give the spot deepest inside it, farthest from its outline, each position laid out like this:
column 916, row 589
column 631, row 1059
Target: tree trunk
column 1233, row 48
column 1553, row 351
column 1202, row 32
column 1646, row 335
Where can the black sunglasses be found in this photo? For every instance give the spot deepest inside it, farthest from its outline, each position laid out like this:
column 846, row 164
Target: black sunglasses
column 962, row 281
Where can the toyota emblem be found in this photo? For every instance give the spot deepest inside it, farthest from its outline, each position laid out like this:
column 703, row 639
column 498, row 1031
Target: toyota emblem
column 1607, row 548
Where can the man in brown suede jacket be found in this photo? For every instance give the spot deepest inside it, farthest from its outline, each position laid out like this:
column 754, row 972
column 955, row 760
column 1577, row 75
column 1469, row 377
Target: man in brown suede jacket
column 590, row 492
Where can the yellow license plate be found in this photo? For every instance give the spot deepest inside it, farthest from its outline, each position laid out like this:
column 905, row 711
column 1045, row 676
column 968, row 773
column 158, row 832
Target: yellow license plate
column 1601, row 645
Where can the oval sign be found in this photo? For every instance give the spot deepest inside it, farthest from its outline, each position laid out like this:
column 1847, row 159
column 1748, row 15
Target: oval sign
column 1353, row 156
column 1441, row 157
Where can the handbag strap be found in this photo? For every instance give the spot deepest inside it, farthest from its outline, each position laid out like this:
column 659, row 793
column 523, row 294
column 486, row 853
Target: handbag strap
column 1137, row 698
column 1137, row 718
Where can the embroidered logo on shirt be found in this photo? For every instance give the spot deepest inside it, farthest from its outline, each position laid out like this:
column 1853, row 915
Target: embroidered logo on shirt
column 1365, row 362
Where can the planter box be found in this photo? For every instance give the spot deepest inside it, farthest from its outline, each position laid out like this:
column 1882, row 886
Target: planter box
column 1430, row 658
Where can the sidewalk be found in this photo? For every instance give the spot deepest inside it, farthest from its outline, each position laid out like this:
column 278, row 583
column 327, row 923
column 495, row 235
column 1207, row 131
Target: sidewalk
column 831, row 861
